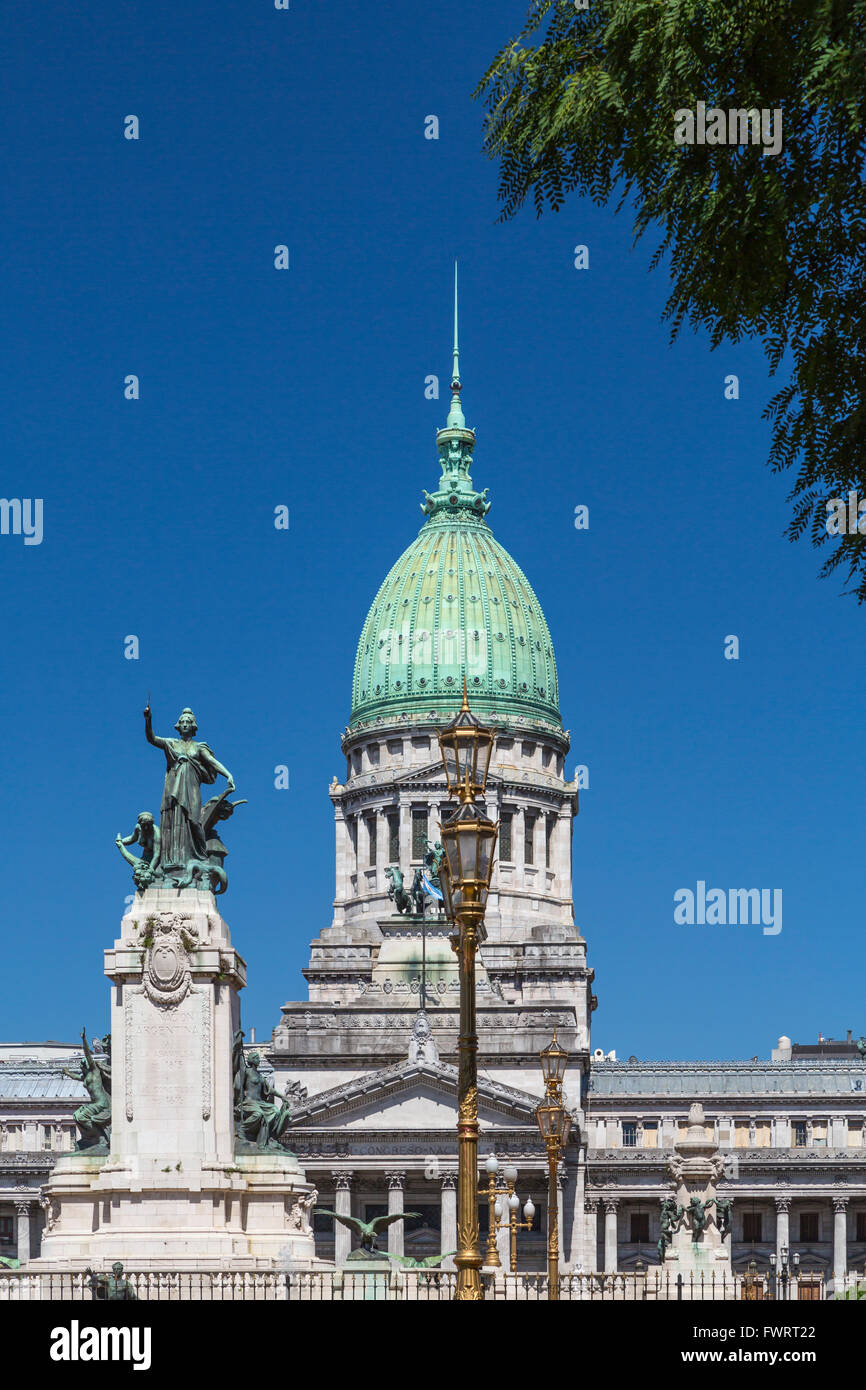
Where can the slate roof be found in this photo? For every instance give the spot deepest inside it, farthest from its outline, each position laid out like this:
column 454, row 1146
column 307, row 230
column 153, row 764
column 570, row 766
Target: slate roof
column 37, row 1083
column 821, row 1077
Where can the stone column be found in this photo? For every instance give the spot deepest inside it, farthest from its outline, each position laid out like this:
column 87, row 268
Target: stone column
column 383, row 835
column 840, row 1240
column 343, row 1205
column 517, row 841
column 405, row 832
column 22, row 1211
column 611, row 1250
column 577, row 1250
column 783, row 1207
column 449, row 1218
column 590, row 1238
column 561, row 1180
column 396, row 1183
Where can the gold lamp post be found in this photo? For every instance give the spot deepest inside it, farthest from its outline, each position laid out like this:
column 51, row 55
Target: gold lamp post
column 496, row 1212
column 554, row 1122
column 468, row 839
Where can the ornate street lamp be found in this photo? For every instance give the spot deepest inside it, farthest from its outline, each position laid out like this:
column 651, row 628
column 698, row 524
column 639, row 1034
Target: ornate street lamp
column 466, row 746
column 468, row 839
column 554, row 1123
column 497, row 1209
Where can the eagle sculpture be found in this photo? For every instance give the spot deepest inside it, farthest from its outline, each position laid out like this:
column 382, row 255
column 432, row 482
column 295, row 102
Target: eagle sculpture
column 367, row 1231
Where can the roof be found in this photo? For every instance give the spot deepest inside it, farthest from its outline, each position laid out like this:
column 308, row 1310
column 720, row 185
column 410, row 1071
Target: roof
column 704, row 1080
column 38, row 1082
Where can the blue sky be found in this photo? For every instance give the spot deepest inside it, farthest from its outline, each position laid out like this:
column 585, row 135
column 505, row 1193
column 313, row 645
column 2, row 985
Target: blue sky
column 306, row 388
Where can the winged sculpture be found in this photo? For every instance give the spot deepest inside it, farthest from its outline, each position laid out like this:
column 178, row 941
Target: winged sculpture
column 430, row 1262
column 367, row 1231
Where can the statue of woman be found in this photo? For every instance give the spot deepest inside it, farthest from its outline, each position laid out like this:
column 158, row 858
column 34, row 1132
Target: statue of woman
column 258, row 1119
column 188, row 764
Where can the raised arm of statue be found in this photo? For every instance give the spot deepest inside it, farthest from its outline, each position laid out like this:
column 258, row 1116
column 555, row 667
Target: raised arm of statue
column 88, row 1055
column 148, row 730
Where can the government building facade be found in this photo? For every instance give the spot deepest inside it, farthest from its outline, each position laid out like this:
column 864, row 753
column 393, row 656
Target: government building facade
column 370, row 1055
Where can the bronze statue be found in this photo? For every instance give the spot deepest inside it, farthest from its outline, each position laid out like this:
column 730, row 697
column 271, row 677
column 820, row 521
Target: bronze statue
column 698, row 1214
column 668, row 1221
column 94, row 1118
column 259, row 1122
column 367, row 1231
column 111, row 1287
column 188, row 764
column 416, row 893
column 396, row 892
column 723, row 1215
column 433, row 857
column 430, row 1262
column 146, row 834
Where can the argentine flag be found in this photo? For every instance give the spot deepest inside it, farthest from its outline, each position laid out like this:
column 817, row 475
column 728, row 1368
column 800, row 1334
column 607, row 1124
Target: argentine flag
column 429, row 888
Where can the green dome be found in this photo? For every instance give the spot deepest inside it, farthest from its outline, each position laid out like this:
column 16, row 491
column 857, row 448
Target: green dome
column 455, row 604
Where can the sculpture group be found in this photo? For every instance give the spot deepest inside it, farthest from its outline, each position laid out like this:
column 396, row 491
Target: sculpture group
column 426, row 888
column 184, row 850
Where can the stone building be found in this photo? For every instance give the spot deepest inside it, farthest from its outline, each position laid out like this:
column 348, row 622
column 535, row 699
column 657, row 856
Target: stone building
column 370, row 1054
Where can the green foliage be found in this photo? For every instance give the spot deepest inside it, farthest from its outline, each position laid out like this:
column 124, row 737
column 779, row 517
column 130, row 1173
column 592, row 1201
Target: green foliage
column 763, row 245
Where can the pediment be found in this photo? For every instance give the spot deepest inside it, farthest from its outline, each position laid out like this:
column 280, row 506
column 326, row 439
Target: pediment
column 410, row 1096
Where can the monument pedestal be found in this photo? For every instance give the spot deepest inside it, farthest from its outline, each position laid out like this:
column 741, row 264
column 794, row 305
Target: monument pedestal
column 699, row 1247
column 172, row 1193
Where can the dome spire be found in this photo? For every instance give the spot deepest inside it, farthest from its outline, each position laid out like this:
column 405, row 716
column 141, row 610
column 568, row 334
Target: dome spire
column 456, row 418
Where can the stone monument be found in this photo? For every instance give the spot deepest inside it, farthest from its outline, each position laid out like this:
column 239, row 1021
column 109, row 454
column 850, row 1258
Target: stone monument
column 180, row 1163
column 695, row 1223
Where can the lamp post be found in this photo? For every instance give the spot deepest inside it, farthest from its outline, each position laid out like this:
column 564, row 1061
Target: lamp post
column 468, row 839
column 554, row 1122
column 496, row 1209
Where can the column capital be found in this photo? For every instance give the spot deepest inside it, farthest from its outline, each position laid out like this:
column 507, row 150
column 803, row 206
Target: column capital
column 840, row 1204
column 343, row 1179
column 23, row 1205
column 396, row 1180
column 610, row 1205
column 449, row 1179
column 783, row 1203
column 561, row 1175
column 590, row 1205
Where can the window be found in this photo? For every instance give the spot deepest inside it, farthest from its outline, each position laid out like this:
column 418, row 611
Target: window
column 6, row 1230
column 505, row 836
column 861, row 1225
column 419, row 832
column 808, row 1225
column 529, row 838
column 629, row 1135
column 639, row 1227
column 371, row 832
column 47, row 1140
column 373, row 755
column 800, row 1134
column 549, row 823
column 752, row 1226
column 393, row 839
